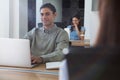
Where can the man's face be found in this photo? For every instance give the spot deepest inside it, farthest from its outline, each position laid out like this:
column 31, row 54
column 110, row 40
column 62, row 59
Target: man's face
column 47, row 17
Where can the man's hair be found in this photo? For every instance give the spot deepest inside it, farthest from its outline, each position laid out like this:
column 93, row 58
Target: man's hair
column 50, row 6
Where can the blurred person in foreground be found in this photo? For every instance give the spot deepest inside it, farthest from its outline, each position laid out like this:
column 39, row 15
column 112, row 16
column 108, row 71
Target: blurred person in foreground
column 109, row 23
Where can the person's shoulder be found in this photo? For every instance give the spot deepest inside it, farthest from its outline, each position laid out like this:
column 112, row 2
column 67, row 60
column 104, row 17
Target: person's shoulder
column 61, row 31
column 32, row 30
column 35, row 29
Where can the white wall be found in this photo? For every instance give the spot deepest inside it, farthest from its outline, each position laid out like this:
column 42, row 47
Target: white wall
column 38, row 4
column 91, row 22
column 14, row 19
column 23, row 18
column 4, row 18
column 18, row 18
column 56, row 3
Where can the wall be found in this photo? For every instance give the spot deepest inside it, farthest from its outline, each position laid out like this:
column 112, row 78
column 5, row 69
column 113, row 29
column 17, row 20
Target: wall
column 13, row 18
column 4, row 18
column 23, row 18
column 91, row 22
column 56, row 3
column 70, row 8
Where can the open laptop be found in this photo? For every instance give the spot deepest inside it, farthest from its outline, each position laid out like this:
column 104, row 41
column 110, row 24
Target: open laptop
column 15, row 52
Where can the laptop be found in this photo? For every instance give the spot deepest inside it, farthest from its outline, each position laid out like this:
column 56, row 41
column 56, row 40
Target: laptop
column 15, row 52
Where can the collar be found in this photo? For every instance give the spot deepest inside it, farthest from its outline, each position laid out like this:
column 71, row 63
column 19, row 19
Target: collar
column 49, row 30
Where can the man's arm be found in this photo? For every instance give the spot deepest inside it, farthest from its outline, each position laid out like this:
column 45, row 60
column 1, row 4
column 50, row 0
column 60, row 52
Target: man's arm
column 29, row 35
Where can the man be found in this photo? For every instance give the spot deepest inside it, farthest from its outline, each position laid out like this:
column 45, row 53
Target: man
column 47, row 42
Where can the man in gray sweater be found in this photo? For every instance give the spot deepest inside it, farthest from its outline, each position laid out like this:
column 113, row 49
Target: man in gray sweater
column 48, row 41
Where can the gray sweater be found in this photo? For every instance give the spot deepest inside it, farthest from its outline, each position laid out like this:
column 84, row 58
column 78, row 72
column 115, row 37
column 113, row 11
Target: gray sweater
column 48, row 44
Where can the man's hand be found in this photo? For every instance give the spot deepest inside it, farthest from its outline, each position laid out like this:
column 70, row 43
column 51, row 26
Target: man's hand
column 36, row 59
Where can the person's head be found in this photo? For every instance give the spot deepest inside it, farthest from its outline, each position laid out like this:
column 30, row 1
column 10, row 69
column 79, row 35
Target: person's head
column 75, row 20
column 109, row 13
column 48, row 14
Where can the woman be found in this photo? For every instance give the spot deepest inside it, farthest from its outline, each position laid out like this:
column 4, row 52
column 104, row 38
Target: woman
column 76, row 30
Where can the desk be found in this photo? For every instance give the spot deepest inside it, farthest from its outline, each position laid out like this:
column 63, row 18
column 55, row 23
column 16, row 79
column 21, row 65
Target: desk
column 85, row 42
column 37, row 73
